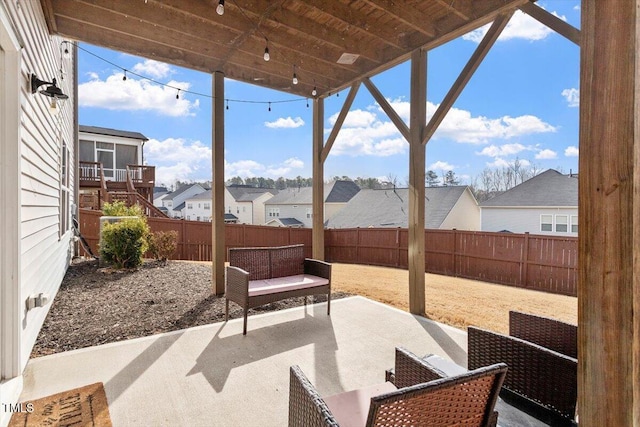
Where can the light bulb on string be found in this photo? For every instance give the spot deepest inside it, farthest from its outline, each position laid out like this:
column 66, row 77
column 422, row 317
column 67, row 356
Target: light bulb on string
column 220, row 8
column 66, row 53
column 227, row 103
column 295, row 77
column 266, row 56
column 124, row 77
column 178, row 94
column 307, row 102
column 314, row 92
column 269, row 106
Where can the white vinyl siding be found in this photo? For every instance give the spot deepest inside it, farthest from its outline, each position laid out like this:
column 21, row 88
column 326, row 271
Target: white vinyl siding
column 525, row 220
column 45, row 249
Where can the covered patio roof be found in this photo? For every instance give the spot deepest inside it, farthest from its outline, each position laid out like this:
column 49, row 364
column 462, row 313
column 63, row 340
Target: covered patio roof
column 307, row 37
column 310, row 34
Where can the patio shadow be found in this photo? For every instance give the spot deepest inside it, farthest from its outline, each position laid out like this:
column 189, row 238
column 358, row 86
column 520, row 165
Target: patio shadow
column 444, row 340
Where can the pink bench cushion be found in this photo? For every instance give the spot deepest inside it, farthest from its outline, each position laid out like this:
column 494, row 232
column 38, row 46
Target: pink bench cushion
column 284, row 284
column 351, row 409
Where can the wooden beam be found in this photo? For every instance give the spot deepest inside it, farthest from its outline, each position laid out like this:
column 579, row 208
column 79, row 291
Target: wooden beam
column 406, row 13
column 318, row 180
column 218, row 254
column 609, row 215
column 418, row 117
column 455, row 8
column 556, row 24
column 465, row 75
column 340, row 120
column 388, row 109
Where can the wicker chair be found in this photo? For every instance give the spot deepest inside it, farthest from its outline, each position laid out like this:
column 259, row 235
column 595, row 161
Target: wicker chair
column 419, row 397
column 541, row 355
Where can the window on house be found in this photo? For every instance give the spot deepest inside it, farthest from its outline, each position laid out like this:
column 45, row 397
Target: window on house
column 546, row 222
column 197, row 218
column 189, row 205
column 574, row 223
column 207, row 206
column 188, row 217
column 562, row 222
column 274, row 212
column 237, row 209
column 309, row 212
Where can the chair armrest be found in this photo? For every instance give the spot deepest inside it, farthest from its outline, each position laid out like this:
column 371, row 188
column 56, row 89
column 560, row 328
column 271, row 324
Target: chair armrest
column 411, row 370
column 542, row 375
column 236, row 283
column 306, row 407
column 317, row 268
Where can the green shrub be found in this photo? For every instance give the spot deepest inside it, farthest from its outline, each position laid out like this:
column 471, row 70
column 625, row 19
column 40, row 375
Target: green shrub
column 162, row 244
column 120, row 209
column 124, row 242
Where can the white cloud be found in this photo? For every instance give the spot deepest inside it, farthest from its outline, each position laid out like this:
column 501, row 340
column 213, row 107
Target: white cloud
column 93, row 75
column 572, row 96
column 441, row 166
column 546, row 154
column 154, row 69
column 499, row 162
column 355, row 118
column 243, row 168
column 520, row 26
column 178, row 159
column 136, row 95
column 285, row 123
column 571, row 151
column 294, row 163
column 502, row 150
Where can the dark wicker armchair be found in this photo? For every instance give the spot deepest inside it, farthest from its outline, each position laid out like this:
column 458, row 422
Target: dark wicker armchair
column 419, row 397
column 541, row 355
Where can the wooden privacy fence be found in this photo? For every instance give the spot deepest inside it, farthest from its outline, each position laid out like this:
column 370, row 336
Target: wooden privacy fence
column 536, row 262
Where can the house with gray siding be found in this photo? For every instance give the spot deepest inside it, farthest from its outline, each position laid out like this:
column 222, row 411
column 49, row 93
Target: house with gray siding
column 545, row 204
column 445, row 208
column 38, row 153
column 174, row 202
column 296, row 203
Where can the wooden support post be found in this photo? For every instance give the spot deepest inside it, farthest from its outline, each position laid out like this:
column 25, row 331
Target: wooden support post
column 418, row 117
column 217, row 196
column 609, row 211
column 318, row 180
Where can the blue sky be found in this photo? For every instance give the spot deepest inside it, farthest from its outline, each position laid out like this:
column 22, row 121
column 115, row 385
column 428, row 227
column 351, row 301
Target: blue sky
column 522, row 102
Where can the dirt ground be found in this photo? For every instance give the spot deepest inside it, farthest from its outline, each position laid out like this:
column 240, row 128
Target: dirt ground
column 97, row 306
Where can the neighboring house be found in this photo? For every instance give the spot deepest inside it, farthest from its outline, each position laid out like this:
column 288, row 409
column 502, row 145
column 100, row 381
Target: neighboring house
column 38, row 175
column 244, row 204
column 111, row 161
column 296, row 203
column 445, row 208
column 175, row 202
column 544, row 204
column 158, row 195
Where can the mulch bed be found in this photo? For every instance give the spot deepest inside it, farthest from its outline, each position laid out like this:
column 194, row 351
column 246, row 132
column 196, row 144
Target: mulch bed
column 98, row 305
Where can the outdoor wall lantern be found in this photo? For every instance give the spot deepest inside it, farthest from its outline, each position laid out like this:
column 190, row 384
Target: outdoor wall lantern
column 52, row 91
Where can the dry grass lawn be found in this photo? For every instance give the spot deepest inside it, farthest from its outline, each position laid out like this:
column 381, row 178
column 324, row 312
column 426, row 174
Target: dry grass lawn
column 453, row 301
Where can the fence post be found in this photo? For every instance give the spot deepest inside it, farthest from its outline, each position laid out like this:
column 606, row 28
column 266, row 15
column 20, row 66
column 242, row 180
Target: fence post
column 184, row 238
column 397, row 247
column 358, row 245
column 525, row 262
column 453, row 254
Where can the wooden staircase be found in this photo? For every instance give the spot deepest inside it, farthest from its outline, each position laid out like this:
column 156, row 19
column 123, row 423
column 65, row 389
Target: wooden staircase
column 136, row 190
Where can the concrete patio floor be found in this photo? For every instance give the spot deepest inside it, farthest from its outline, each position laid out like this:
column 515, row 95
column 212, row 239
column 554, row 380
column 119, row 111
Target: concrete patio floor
column 214, row 376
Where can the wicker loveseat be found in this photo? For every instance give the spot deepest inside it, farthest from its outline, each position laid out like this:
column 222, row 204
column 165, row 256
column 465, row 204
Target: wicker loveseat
column 420, row 396
column 258, row 276
column 541, row 355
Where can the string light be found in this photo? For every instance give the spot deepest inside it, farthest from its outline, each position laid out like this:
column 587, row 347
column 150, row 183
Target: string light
column 124, row 77
column 227, row 103
column 295, row 77
column 66, row 53
column 307, row 102
column 266, row 56
column 220, row 8
column 314, row 92
column 203, row 95
column 178, row 94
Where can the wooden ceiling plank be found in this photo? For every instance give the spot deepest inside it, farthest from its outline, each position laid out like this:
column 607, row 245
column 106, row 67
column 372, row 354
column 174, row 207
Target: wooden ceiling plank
column 407, row 14
column 461, row 9
column 359, row 21
column 556, row 24
column 340, row 120
column 316, row 32
column 49, row 15
column 391, row 113
column 465, row 75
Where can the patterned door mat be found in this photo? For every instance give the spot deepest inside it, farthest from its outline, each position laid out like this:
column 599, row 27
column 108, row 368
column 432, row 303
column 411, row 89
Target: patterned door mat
column 81, row 407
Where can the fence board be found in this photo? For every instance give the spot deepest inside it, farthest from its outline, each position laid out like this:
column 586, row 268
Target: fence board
column 543, row 263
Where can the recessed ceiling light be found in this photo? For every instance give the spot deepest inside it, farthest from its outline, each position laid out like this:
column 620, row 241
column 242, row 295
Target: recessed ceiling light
column 348, row 58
